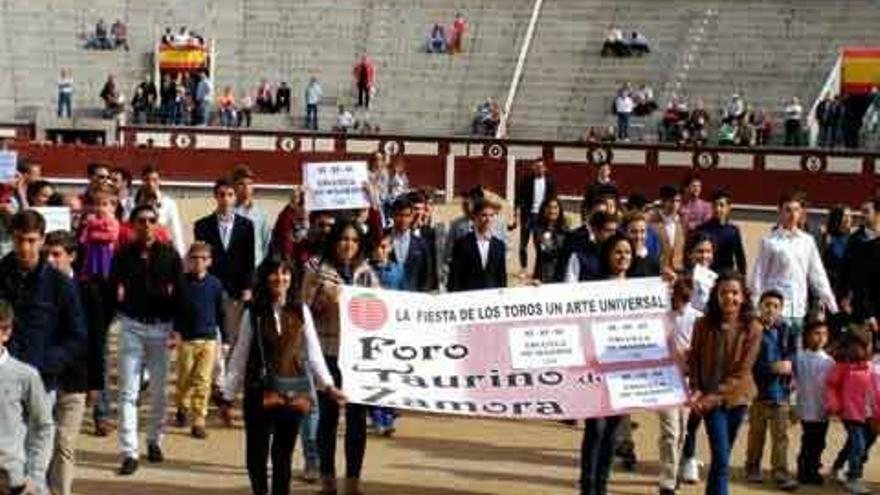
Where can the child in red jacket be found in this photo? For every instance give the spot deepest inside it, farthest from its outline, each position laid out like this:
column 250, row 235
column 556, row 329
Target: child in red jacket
column 853, row 395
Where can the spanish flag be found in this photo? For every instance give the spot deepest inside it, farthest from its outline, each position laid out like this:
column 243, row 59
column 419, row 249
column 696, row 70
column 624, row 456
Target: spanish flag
column 860, row 70
column 177, row 58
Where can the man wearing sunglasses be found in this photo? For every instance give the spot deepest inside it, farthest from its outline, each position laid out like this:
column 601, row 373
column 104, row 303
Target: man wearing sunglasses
column 148, row 281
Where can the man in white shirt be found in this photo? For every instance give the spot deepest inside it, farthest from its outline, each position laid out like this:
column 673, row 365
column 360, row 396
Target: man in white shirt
column 243, row 179
column 793, row 115
column 165, row 206
column 531, row 192
column 623, row 107
column 789, row 262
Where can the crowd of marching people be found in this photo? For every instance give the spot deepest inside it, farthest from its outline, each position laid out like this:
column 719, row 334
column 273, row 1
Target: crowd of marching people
column 251, row 310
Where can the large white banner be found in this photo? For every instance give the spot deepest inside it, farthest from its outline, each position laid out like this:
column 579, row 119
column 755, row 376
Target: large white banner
column 551, row 352
column 336, row 186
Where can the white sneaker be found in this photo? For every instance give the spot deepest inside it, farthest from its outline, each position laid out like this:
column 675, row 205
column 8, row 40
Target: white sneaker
column 857, row 488
column 840, row 476
column 690, row 471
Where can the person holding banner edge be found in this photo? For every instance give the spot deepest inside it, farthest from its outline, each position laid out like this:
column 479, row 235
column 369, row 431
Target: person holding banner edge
column 599, row 433
column 723, row 350
column 343, row 263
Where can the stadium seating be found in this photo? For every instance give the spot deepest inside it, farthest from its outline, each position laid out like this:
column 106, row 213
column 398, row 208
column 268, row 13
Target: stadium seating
column 768, row 50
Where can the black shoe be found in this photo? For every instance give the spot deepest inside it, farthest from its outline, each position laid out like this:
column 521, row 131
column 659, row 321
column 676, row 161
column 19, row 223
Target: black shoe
column 667, row 491
column 154, row 453
column 199, row 432
column 129, row 466
column 814, row 479
column 180, row 418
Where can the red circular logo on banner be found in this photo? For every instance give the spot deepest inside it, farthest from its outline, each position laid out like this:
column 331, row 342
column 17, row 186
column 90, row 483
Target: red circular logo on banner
column 367, row 312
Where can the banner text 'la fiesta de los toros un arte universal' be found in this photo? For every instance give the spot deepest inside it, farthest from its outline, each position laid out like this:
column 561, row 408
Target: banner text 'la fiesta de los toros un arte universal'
column 550, row 352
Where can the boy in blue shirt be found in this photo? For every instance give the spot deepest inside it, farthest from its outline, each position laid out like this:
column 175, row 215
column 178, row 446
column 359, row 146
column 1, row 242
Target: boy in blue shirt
column 772, row 373
column 195, row 358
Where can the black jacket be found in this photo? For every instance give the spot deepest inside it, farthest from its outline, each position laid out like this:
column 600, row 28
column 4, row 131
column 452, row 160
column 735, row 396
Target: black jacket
column 861, row 275
column 49, row 330
column 466, row 271
column 416, row 265
column 525, row 192
column 233, row 266
column 152, row 289
column 77, row 378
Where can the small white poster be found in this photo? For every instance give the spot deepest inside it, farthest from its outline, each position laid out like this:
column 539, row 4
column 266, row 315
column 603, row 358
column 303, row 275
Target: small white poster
column 8, row 166
column 545, row 346
column 647, row 387
column 619, row 341
column 336, row 186
column 57, row 217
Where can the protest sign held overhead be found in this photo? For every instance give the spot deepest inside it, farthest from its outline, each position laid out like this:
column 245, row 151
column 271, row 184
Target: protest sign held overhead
column 594, row 349
column 336, row 186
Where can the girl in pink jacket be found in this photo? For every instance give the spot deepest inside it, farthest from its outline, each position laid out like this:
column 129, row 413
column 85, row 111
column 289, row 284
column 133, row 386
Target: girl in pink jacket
column 853, row 395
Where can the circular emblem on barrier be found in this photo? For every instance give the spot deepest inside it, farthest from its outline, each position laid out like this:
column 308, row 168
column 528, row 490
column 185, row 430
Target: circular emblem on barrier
column 599, row 155
column 705, row 159
column 288, row 144
column 495, row 150
column 392, row 148
column 183, row 140
column 813, row 163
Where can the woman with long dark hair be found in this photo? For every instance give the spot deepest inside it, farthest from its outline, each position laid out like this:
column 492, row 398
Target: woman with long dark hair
column 724, row 347
column 550, row 234
column 278, row 358
column 344, row 263
column 598, row 443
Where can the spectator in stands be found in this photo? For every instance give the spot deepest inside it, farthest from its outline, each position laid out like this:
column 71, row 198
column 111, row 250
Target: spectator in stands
column 623, row 108
column 344, row 120
column 226, row 108
column 694, row 210
column 486, row 118
column 65, row 94
column 459, row 28
column 735, row 109
column 760, row 125
column 793, row 115
column 673, row 126
column 168, row 36
column 168, row 100
column 615, row 44
column 119, row 35
column 698, row 123
column 437, row 40
column 282, row 98
column 111, row 97
column 364, row 78
column 314, row 93
column 202, row 97
column 182, row 38
column 638, row 44
column 149, row 89
column 100, row 40
column 265, row 102
column 643, row 98
column 245, row 110
column 140, row 106
column 825, row 120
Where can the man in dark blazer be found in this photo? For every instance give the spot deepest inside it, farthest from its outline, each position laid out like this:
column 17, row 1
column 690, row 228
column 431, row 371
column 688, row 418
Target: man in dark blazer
column 231, row 237
column 410, row 251
column 532, row 190
column 479, row 260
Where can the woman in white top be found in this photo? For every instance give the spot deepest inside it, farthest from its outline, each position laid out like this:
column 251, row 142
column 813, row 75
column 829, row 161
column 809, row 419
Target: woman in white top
column 278, row 358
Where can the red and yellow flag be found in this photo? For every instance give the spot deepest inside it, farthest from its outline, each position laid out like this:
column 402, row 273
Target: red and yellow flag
column 177, row 58
column 860, row 69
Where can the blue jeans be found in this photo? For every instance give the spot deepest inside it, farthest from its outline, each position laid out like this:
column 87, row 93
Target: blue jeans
column 597, row 450
column 722, row 425
column 308, row 430
column 64, row 104
column 859, row 440
column 383, row 417
column 312, row 116
column 142, row 345
column 622, row 126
